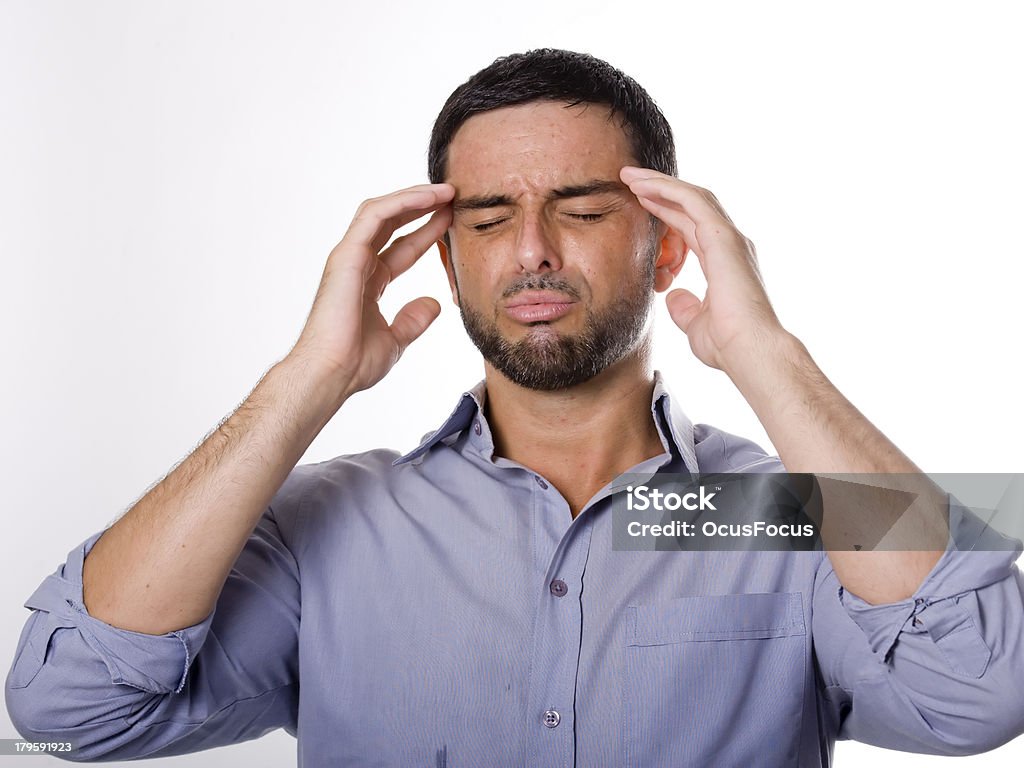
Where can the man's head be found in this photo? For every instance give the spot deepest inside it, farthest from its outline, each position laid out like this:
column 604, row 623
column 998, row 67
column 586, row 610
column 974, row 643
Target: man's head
column 551, row 259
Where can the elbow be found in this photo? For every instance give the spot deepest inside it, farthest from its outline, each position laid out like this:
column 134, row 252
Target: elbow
column 29, row 708
column 975, row 739
column 996, row 724
column 50, row 703
column 982, row 716
column 37, row 720
column 41, row 717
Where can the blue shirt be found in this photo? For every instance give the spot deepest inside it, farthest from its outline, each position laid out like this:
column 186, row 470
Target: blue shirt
column 443, row 608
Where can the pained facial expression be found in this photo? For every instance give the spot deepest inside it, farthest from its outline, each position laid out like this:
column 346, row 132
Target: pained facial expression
column 552, row 258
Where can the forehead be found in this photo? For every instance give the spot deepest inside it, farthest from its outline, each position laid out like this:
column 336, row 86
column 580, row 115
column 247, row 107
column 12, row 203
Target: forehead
column 537, row 145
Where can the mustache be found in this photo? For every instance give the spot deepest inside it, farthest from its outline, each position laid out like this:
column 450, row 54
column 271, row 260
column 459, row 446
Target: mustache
column 543, row 282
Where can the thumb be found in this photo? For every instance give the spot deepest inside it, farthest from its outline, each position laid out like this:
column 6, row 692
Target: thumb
column 413, row 319
column 683, row 306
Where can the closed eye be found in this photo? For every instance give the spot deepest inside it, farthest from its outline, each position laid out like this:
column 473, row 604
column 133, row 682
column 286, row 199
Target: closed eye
column 578, row 216
column 487, row 225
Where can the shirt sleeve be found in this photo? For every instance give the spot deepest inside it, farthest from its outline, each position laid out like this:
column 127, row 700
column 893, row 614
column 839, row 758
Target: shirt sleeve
column 118, row 694
column 941, row 672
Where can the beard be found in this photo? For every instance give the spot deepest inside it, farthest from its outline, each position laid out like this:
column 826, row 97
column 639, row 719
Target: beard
column 547, row 360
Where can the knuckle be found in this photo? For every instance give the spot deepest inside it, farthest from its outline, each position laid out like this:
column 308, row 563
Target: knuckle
column 379, row 280
column 366, row 206
column 714, row 201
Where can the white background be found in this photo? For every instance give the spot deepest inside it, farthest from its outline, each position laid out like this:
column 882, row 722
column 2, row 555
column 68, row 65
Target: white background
column 173, row 176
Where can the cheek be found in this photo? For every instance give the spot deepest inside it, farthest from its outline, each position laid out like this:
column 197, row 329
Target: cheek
column 609, row 255
column 476, row 275
column 482, row 258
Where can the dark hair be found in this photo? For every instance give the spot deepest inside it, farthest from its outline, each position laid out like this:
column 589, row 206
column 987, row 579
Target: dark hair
column 551, row 74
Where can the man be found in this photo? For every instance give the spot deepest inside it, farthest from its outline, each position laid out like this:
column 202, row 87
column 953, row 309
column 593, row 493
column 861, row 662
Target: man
column 463, row 604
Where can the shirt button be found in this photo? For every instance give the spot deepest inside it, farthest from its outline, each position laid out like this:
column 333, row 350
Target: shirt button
column 558, row 588
column 552, row 718
column 476, row 427
column 542, row 484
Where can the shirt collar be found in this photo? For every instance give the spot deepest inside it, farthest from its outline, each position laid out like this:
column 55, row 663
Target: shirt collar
column 469, row 414
column 470, row 404
column 680, row 427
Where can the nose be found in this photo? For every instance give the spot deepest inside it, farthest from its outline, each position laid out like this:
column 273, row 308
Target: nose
column 536, row 250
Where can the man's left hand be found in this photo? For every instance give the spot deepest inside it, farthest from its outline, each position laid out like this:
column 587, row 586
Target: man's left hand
column 735, row 320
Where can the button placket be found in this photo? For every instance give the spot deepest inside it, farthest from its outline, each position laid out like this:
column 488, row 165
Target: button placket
column 561, row 554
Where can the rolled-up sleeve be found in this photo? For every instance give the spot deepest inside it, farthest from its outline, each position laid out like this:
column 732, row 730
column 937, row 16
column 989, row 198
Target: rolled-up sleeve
column 119, row 694
column 941, row 672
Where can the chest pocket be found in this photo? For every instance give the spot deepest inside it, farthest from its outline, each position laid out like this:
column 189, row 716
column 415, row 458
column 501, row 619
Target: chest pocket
column 715, row 680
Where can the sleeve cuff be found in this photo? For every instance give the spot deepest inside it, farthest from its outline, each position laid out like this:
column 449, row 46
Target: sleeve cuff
column 153, row 663
column 946, row 603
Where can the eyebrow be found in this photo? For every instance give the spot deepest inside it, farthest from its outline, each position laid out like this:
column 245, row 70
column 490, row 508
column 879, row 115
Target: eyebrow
column 592, row 187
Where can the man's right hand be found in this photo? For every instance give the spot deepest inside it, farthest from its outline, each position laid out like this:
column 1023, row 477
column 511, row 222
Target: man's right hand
column 345, row 332
column 163, row 564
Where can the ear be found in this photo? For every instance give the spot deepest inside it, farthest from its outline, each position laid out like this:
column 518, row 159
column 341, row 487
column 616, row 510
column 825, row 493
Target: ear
column 671, row 255
column 446, row 262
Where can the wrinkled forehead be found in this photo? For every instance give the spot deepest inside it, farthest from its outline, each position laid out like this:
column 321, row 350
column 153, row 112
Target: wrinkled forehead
column 536, row 147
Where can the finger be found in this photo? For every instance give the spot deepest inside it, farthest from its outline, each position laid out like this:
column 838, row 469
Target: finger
column 688, row 197
column 732, row 262
column 413, row 319
column 683, row 306
column 678, row 221
column 698, row 195
column 407, row 249
column 404, row 252
column 631, row 173
column 390, row 223
column 378, row 280
column 377, row 219
column 397, row 222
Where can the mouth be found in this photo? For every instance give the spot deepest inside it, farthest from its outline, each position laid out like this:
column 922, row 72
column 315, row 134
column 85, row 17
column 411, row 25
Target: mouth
column 538, row 306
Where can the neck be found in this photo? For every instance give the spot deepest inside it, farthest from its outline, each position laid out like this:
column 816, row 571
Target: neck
column 582, row 437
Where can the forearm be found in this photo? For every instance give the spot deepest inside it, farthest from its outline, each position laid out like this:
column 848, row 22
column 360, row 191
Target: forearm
column 815, row 429
column 162, row 565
